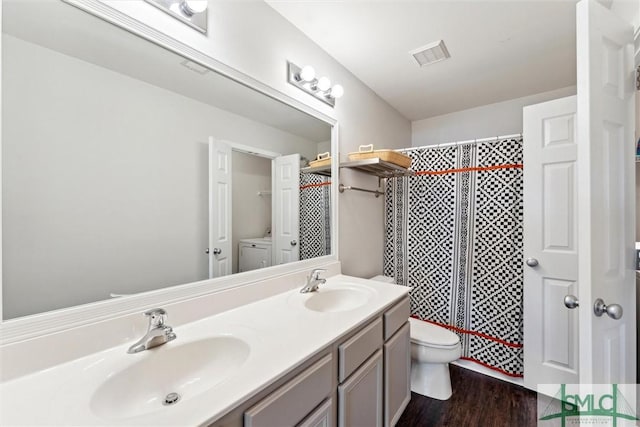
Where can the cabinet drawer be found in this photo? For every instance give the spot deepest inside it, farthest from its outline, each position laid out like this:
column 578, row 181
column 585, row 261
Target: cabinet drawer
column 292, row 402
column 358, row 348
column 395, row 317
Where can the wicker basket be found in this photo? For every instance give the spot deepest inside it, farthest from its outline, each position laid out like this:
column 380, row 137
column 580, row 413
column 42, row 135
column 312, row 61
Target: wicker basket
column 323, row 159
column 391, row 156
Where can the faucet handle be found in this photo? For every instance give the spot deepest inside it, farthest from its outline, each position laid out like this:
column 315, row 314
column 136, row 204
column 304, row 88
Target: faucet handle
column 156, row 316
column 315, row 273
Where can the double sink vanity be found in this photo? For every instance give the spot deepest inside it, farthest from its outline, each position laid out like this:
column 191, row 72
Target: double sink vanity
column 338, row 355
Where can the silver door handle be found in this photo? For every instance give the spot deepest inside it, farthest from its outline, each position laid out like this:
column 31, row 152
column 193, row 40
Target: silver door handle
column 571, row 301
column 293, row 243
column 614, row 311
column 206, row 251
column 217, row 251
column 532, row 262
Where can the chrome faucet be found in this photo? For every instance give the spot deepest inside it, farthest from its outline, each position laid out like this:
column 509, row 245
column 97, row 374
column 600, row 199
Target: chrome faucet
column 313, row 280
column 157, row 333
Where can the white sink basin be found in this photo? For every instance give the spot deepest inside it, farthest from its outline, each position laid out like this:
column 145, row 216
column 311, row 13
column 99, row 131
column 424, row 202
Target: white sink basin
column 187, row 369
column 337, row 299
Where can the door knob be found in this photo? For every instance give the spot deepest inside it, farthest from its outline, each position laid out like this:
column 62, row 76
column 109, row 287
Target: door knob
column 532, row 262
column 571, row 301
column 614, row 311
column 293, row 243
column 206, row 251
column 217, row 251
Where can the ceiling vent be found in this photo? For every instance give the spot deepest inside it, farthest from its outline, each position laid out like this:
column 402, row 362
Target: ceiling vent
column 431, row 53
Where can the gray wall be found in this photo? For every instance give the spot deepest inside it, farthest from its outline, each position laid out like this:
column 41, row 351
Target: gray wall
column 69, row 235
column 502, row 118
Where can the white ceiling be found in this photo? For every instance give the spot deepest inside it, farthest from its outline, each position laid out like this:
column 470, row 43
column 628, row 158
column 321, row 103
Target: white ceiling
column 500, row 50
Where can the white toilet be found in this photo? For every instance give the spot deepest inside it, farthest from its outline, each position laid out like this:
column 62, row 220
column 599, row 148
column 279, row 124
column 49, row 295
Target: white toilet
column 432, row 348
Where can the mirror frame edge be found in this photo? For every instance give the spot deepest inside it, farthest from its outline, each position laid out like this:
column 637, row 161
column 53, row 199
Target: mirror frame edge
column 40, row 324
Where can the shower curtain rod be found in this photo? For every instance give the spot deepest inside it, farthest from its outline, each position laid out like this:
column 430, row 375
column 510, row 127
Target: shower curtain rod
column 470, row 141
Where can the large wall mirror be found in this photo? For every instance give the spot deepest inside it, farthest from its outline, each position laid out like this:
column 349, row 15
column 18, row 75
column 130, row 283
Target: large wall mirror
column 127, row 167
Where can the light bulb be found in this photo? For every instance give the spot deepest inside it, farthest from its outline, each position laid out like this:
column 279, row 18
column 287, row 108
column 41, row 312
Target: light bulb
column 324, row 84
column 307, row 73
column 337, row 91
column 191, row 7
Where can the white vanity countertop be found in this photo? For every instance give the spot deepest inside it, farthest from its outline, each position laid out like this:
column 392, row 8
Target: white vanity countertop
column 281, row 334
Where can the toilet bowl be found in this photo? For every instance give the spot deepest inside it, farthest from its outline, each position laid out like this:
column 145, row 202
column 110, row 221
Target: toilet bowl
column 432, row 349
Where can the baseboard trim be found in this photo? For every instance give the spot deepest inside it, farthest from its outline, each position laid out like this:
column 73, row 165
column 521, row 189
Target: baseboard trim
column 466, row 364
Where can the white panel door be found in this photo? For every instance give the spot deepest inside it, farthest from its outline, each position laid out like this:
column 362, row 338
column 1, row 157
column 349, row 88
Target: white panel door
column 286, row 207
column 550, row 243
column 220, row 254
column 607, row 194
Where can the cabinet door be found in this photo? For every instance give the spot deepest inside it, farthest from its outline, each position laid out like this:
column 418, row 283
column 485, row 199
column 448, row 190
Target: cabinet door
column 360, row 397
column 292, row 402
column 397, row 375
column 321, row 417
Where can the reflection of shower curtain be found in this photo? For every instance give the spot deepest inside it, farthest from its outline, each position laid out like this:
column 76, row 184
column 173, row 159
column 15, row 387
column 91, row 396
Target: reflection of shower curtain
column 454, row 234
column 315, row 218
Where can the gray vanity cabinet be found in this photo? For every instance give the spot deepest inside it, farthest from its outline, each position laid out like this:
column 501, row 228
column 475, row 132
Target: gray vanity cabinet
column 361, row 395
column 293, row 402
column 359, row 380
column 321, row 417
column 397, row 375
column 397, row 362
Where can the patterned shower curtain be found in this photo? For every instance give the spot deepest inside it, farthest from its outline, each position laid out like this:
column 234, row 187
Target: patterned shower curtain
column 315, row 216
column 454, row 234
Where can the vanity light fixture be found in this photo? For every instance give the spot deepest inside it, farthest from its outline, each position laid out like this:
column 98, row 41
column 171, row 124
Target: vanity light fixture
column 305, row 79
column 191, row 12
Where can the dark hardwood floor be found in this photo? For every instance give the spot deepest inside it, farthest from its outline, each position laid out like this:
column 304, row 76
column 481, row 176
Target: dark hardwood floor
column 477, row 400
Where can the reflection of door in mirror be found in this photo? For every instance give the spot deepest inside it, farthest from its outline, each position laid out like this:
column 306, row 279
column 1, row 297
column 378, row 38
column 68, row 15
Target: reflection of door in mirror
column 286, row 201
column 220, row 219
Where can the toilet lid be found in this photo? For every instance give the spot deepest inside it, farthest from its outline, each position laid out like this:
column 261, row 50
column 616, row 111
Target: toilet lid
column 428, row 333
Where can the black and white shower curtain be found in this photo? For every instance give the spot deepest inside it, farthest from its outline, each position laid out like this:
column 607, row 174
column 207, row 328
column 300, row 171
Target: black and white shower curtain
column 454, row 234
column 315, row 216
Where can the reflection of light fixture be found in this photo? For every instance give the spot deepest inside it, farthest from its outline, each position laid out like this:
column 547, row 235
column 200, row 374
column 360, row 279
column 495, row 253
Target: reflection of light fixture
column 191, row 7
column 336, row 91
column 191, row 12
column 323, row 84
column 305, row 79
column 307, row 73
